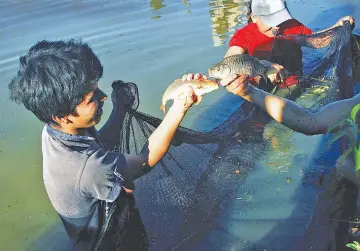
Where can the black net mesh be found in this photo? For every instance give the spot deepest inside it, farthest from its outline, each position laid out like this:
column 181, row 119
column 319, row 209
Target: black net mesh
column 190, row 201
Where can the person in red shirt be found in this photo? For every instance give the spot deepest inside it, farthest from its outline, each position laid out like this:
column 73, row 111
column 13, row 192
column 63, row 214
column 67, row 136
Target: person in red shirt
column 268, row 19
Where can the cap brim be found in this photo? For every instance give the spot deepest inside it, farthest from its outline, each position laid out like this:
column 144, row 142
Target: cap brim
column 276, row 18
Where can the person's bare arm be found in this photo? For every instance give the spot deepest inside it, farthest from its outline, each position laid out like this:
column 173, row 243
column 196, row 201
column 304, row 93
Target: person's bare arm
column 290, row 113
column 299, row 118
column 159, row 141
column 234, row 50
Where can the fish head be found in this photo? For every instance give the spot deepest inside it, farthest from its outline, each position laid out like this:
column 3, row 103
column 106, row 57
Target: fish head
column 220, row 71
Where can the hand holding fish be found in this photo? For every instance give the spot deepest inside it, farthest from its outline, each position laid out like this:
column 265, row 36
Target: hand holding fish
column 191, row 76
column 198, row 84
column 237, row 85
column 184, row 101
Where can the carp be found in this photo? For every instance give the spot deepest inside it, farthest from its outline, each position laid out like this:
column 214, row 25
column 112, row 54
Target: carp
column 201, row 86
column 241, row 64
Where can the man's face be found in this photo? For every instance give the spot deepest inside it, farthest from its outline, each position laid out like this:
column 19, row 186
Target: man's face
column 89, row 111
column 264, row 28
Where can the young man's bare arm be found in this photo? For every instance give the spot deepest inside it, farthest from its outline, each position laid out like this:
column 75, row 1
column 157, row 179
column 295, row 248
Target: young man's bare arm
column 159, row 141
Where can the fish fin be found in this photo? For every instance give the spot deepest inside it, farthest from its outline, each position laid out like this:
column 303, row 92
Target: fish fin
column 163, row 108
column 271, row 70
column 266, row 79
column 199, row 98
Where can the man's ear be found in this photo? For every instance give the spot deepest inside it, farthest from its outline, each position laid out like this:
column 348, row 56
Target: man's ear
column 63, row 120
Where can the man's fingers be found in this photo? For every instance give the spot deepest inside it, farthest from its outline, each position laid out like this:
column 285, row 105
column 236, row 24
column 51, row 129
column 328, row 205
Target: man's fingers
column 235, row 87
column 197, row 76
column 228, row 80
column 242, row 78
column 190, row 76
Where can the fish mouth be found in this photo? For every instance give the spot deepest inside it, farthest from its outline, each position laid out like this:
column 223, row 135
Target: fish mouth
column 210, row 73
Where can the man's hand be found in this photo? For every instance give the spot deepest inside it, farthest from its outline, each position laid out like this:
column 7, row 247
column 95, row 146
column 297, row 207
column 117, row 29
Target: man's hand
column 191, row 76
column 121, row 95
column 185, row 100
column 237, row 85
column 343, row 19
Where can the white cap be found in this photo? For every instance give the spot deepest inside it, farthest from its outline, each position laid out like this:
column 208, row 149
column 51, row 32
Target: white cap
column 271, row 12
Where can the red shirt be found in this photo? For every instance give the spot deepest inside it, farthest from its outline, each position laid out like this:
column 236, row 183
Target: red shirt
column 285, row 53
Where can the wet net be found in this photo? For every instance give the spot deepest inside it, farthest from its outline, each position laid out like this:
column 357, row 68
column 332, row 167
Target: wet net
column 212, row 191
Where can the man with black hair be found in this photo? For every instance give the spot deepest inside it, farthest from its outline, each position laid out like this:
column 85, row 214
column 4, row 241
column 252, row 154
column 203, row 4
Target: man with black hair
column 58, row 82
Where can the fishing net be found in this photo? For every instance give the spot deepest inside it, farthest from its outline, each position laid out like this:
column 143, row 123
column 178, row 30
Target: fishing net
column 211, row 192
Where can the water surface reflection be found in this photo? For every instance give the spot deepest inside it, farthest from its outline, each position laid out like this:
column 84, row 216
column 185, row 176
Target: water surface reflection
column 225, row 15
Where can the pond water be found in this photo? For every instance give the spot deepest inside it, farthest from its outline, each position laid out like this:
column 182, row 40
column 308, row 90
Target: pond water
column 147, row 42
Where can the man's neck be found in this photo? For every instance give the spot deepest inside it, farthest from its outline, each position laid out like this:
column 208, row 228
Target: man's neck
column 70, row 130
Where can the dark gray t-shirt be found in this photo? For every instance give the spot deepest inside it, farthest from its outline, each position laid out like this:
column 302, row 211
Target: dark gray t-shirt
column 79, row 175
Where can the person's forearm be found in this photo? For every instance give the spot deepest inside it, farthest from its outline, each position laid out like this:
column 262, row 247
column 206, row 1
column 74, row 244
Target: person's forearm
column 284, row 111
column 160, row 139
column 111, row 130
column 234, row 50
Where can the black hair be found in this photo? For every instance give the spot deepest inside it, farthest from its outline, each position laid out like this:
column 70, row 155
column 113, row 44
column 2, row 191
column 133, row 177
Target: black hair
column 54, row 77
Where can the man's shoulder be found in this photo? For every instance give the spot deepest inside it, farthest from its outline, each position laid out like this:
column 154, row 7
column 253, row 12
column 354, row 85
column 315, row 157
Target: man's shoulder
column 240, row 38
column 293, row 26
column 57, row 148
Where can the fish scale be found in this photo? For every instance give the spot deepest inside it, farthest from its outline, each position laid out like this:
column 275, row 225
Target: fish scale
column 240, row 64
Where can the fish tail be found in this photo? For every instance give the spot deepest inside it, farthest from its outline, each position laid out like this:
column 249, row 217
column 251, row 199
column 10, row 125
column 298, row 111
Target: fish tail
column 271, row 70
column 265, row 77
